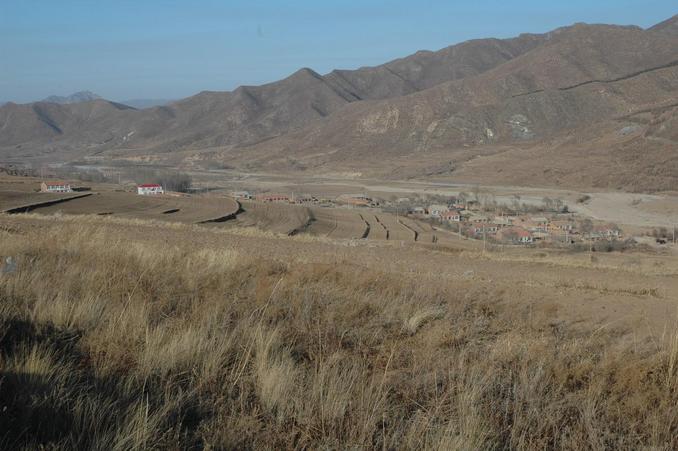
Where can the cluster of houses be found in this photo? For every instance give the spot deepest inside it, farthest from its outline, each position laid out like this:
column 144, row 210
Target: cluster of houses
column 470, row 221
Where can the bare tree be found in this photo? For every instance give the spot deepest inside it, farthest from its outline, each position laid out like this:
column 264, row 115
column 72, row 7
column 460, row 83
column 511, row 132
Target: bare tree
column 548, row 203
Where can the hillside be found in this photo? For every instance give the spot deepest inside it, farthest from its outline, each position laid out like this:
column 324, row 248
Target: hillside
column 253, row 113
column 584, row 91
column 545, row 99
column 237, row 339
column 669, row 26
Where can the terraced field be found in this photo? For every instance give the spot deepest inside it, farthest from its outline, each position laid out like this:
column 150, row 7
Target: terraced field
column 396, row 230
column 278, row 218
column 424, row 232
column 10, row 200
column 338, row 223
column 129, row 205
column 374, row 225
column 378, row 231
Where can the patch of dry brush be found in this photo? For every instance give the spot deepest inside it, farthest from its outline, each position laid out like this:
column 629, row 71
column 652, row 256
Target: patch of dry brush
column 112, row 344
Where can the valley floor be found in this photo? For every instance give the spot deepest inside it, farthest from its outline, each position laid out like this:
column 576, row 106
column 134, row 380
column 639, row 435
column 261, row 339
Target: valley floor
column 623, row 208
column 128, row 322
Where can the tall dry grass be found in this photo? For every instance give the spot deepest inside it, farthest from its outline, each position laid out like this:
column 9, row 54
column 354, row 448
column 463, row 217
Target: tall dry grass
column 110, row 343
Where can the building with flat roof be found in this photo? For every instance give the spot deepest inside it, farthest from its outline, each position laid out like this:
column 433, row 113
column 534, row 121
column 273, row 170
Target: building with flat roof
column 149, row 189
column 55, row 187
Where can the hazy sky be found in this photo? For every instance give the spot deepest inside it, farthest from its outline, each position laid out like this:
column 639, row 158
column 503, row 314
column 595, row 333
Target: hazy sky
column 127, row 49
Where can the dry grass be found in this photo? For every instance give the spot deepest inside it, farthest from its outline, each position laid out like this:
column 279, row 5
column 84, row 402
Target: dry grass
column 111, row 343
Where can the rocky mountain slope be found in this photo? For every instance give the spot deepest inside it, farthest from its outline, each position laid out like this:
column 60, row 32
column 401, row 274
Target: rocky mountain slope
column 585, row 91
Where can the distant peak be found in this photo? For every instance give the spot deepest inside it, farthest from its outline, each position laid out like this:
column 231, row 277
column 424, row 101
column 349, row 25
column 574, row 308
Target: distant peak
column 305, row 71
column 78, row 97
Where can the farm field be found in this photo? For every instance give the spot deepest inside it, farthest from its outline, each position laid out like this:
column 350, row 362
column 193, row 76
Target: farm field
column 272, row 217
column 129, row 205
column 16, row 199
column 424, row 232
column 338, row 223
column 396, row 230
column 378, row 230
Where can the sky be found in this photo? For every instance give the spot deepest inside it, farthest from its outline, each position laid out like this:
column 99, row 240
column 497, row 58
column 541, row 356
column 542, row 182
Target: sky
column 169, row 49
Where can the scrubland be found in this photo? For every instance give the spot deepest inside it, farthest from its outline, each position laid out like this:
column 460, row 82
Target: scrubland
column 108, row 341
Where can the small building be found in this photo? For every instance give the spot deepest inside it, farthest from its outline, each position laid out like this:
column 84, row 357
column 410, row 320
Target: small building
column 356, row 200
column 516, row 235
column 539, row 224
column 451, row 216
column 274, row 198
column 484, row 229
column 149, row 189
column 241, row 195
column 562, row 226
column 55, row 187
column 305, row 199
column 436, row 210
column 605, row 232
column 503, row 221
column 476, row 218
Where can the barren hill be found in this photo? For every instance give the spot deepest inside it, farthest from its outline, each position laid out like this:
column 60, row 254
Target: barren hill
column 253, row 113
column 669, row 26
column 556, row 108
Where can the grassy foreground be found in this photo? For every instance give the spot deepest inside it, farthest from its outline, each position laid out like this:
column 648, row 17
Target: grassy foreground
column 111, row 343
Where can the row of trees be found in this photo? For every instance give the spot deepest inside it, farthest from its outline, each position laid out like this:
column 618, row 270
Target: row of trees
column 170, row 180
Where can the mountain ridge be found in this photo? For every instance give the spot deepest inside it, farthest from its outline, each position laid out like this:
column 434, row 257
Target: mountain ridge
column 457, row 107
column 77, row 97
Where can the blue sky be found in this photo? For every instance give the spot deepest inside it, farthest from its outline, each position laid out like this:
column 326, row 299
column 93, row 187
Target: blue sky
column 127, row 49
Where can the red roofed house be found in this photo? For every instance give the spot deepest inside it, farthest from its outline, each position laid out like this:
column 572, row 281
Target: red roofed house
column 274, row 198
column 55, row 187
column 515, row 235
column 480, row 228
column 149, row 189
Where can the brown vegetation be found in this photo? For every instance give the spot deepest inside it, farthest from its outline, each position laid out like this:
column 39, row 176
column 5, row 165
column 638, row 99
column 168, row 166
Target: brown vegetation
column 111, row 342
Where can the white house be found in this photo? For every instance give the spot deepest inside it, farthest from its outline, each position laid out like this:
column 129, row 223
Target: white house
column 149, row 189
column 242, row 195
column 55, row 187
column 436, row 210
column 451, row 216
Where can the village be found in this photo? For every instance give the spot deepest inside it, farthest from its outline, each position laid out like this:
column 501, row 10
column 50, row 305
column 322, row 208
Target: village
column 471, row 216
column 474, row 218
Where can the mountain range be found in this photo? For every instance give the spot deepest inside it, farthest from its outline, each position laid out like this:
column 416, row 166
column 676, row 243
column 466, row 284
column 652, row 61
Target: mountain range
column 78, row 97
column 584, row 105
